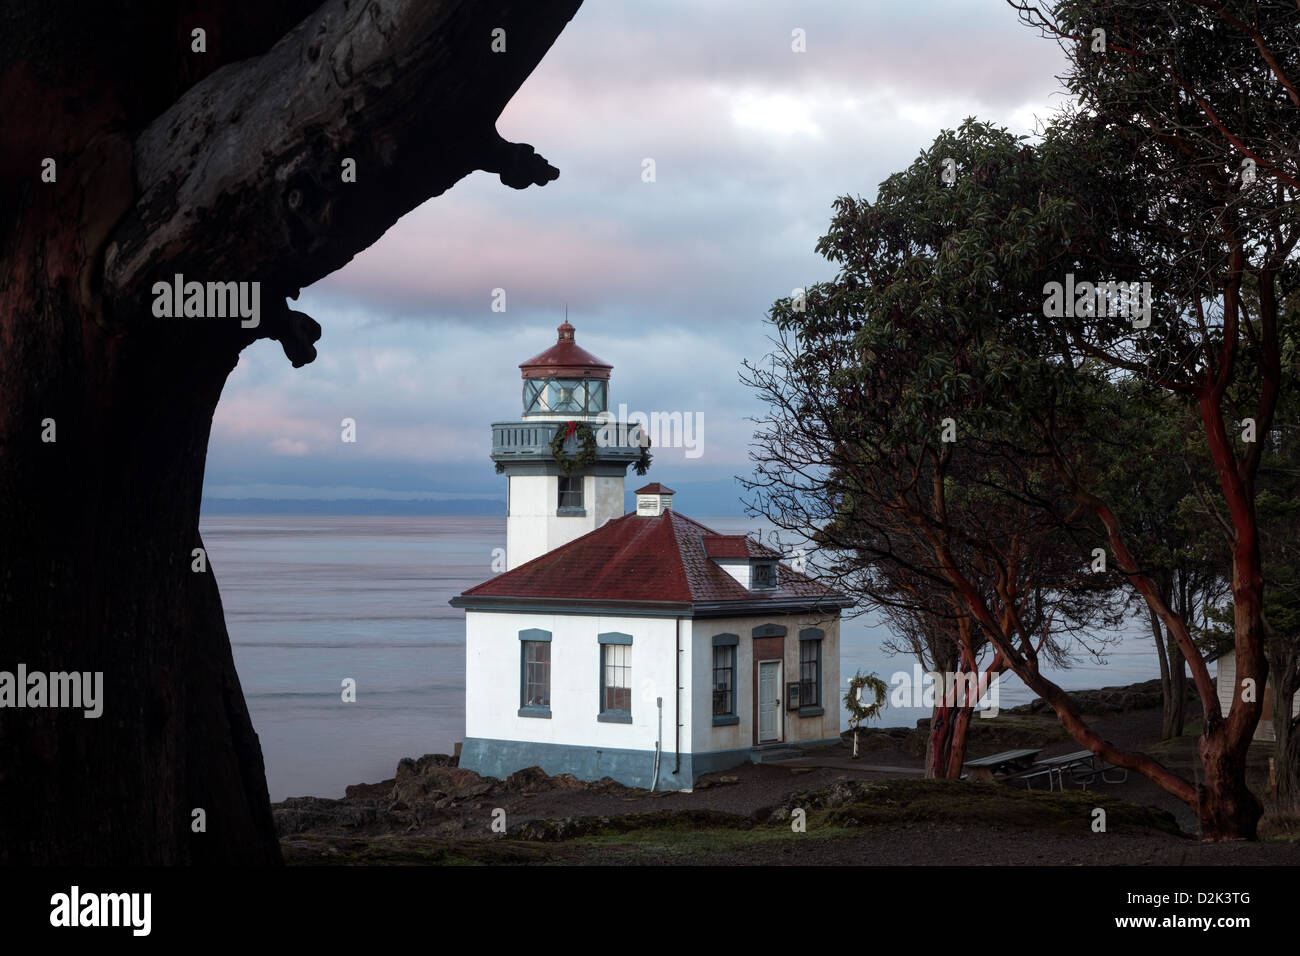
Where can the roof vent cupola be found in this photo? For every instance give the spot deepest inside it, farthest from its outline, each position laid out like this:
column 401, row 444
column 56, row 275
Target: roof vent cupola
column 653, row 500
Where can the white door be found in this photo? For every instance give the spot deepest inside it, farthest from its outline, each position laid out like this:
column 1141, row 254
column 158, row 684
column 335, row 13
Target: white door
column 769, row 701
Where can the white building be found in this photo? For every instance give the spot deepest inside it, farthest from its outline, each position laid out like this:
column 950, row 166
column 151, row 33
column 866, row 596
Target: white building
column 616, row 643
column 1225, row 684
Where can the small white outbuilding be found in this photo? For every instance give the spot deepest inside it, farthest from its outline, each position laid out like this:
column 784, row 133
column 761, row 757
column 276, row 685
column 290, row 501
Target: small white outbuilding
column 1225, row 683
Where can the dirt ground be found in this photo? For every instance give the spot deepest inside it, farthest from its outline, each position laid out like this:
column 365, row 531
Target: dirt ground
column 950, row 833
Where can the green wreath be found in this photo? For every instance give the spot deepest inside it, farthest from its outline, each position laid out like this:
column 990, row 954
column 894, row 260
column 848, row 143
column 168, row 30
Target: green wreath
column 586, row 437
column 859, row 710
column 642, row 464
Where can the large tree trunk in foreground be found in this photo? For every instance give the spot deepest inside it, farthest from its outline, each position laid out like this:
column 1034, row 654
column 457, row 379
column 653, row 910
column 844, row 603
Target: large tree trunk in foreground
column 224, row 166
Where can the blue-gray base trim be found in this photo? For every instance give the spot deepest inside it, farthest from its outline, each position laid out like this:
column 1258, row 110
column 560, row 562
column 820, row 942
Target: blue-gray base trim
column 634, row 768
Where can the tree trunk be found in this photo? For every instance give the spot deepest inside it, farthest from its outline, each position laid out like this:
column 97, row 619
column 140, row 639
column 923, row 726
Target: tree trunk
column 224, row 166
column 957, row 750
column 1226, row 807
column 1166, row 684
column 939, row 747
column 1177, row 688
column 1286, row 731
column 96, row 558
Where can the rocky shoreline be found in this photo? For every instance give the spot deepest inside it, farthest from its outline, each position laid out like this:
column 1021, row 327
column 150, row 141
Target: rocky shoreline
column 432, row 811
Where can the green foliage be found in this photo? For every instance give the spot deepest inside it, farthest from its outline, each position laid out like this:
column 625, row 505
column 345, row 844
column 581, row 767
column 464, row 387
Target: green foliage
column 586, row 456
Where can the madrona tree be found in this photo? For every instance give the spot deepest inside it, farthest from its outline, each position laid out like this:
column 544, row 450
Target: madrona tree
column 943, row 288
column 894, row 429
column 235, row 142
column 1184, row 167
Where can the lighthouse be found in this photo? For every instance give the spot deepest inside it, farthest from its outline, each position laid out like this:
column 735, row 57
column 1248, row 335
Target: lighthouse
column 642, row 646
column 565, row 458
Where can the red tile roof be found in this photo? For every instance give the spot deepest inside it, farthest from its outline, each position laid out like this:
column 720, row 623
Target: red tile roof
column 735, row 546
column 638, row 559
column 654, row 488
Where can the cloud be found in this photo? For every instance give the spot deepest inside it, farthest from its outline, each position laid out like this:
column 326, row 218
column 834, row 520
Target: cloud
column 668, row 280
column 289, row 446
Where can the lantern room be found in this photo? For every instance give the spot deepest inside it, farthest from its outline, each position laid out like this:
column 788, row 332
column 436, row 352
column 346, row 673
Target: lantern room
column 565, row 382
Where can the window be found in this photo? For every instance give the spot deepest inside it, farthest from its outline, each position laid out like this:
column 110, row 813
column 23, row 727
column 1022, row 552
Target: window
column 764, row 575
column 724, row 681
column 534, row 396
column 537, row 674
column 570, row 499
column 567, row 396
column 616, row 680
column 810, row 673
column 534, row 673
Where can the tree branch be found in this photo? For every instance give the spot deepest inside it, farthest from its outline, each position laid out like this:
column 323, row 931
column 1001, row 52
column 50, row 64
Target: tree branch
column 242, row 178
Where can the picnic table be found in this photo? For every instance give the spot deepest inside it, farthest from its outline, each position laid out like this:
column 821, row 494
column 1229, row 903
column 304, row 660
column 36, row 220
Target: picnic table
column 1083, row 766
column 1005, row 763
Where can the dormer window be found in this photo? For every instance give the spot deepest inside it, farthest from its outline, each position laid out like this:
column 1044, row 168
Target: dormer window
column 763, row 575
column 752, row 564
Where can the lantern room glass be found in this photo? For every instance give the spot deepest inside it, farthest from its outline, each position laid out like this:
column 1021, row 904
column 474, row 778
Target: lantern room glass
column 565, row 396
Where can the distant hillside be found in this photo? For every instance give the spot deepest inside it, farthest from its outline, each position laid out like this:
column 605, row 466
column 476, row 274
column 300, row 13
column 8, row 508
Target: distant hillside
column 354, row 506
column 712, row 498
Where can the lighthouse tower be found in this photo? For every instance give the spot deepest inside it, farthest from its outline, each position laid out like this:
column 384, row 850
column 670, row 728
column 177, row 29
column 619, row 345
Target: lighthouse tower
column 553, row 498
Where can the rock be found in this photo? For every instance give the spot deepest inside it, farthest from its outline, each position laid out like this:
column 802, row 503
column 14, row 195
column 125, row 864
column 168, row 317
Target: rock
column 836, row 794
column 432, row 779
column 715, row 780
column 298, row 814
column 1109, row 700
column 369, row 791
column 528, row 780
column 536, row 780
column 566, row 828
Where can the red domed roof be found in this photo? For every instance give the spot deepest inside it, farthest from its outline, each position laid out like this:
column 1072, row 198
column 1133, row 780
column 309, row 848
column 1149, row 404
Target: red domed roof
column 565, row 359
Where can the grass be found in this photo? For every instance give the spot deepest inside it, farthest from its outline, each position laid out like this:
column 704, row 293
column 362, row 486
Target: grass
column 833, row 813
column 917, row 801
column 1280, row 821
column 1178, row 751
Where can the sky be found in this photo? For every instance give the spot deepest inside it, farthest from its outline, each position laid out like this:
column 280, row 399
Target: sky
column 670, row 280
